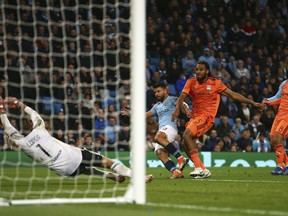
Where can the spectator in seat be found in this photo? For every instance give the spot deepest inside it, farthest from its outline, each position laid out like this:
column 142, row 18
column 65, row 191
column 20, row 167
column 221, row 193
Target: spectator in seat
column 261, row 143
column 245, row 142
column 255, row 126
column 223, row 127
column 211, row 141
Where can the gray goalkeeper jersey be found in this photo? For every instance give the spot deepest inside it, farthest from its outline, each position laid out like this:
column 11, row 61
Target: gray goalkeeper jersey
column 45, row 149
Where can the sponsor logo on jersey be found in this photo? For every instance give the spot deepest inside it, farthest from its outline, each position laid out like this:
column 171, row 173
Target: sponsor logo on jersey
column 55, row 158
column 209, row 87
column 33, row 140
column 163, row 112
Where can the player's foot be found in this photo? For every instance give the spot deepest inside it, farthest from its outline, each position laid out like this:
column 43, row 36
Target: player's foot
column 177, row 174
column 200, row 173
column 182, row 163
column 277, row 171
column 115, row 177
column 285, row 171
column 149, row 178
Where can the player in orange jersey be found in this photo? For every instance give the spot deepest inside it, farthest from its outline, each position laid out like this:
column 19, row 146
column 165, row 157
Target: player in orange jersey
column 279, row 129
column 205, row 94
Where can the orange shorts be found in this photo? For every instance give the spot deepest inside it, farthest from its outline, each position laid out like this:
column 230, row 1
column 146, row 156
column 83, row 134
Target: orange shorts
column 280, row 126
column 199, row 125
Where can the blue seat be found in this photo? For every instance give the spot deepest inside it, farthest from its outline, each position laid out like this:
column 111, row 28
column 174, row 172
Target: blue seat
column 154, row 61
column 172, row 90
column 48, row 103
column 152, row 68
column 231, row 121
column 112, row 93
column 217, row 121
column 57, row 107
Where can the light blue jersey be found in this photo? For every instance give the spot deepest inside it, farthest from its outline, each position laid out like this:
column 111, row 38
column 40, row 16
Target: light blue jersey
column 163, row 111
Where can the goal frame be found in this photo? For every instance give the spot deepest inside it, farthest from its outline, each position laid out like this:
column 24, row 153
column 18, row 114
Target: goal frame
column 136, row 190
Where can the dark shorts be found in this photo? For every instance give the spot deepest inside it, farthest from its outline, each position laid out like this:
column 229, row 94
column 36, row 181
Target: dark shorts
column 89, row 159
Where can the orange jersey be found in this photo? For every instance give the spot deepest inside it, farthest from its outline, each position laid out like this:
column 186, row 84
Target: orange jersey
column 205, row 96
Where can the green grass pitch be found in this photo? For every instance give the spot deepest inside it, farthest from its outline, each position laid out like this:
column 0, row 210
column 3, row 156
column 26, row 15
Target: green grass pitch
column 230, row 191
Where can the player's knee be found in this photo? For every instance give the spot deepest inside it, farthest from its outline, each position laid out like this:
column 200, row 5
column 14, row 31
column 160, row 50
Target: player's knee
column 188, row 134
column 159, row 138
column 277, row 139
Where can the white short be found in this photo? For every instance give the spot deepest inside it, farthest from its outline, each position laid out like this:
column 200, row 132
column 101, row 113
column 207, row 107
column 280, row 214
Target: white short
column 171, row 134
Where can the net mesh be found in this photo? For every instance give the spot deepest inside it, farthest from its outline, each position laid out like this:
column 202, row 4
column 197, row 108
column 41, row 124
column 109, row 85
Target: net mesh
column 70, row 61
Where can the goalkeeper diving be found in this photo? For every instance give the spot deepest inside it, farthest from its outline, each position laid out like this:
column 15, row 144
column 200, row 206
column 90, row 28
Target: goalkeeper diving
column 64, row 159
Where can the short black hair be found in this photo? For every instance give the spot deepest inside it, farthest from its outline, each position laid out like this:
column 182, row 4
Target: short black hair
column 160, row 84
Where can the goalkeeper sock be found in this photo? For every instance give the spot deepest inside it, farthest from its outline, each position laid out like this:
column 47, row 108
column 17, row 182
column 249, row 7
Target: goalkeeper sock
column 121, row 170
column 173, row 150
column 170, row 165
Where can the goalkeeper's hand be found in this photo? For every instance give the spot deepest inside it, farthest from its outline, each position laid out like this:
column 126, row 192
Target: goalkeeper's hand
column 13, row 102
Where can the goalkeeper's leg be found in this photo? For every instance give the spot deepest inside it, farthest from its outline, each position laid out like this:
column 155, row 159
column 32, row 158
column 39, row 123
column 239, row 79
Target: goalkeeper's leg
column 105, row 174
column 95, row 159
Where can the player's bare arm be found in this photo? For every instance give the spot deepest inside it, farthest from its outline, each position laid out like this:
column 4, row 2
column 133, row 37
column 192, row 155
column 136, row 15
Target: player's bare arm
column 149, row 114
column 180, row 102
column 127, row 112
column 185, row 109
column 238, row 97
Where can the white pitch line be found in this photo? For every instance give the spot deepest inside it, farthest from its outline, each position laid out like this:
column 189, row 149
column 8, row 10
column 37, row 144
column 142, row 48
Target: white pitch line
column 219, row 209
column 246, row 181
column 235, row 180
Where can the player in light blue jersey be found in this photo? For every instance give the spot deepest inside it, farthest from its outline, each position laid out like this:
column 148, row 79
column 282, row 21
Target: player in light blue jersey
column 166, row 135
column 167, row 130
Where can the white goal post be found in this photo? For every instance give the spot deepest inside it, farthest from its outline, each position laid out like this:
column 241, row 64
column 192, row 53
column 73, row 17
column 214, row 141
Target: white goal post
column 135, row 191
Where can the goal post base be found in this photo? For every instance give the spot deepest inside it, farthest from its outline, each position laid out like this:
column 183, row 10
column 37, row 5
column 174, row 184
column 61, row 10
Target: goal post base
column 54, row 201
column 126, row 199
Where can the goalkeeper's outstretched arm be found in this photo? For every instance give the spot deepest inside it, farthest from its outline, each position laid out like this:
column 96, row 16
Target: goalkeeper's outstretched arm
column 34, row 116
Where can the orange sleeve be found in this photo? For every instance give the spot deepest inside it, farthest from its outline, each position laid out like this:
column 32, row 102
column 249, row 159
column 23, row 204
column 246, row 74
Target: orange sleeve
column 187, row 87
column 220, row 86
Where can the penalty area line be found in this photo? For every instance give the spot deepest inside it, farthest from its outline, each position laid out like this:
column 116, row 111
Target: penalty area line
column 219, row 209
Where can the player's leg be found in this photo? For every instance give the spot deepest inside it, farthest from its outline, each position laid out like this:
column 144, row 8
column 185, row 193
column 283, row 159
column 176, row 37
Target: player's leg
column 285, row 163
column 94, row 159
column 162, row 154
column 105, row 174
column 121, row 169
column 277, row 135
column 166, row 137
column 196, row 127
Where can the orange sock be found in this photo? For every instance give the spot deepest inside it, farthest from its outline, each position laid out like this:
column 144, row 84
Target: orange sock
column 280, row 154
column 285, row 159
column 180, row 159
column 195, row 159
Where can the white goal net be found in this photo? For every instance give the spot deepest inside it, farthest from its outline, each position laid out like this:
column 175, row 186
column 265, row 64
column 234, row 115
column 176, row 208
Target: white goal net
column 72, row 61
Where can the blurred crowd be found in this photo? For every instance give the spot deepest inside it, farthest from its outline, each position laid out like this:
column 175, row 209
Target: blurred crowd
column 71, row 62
